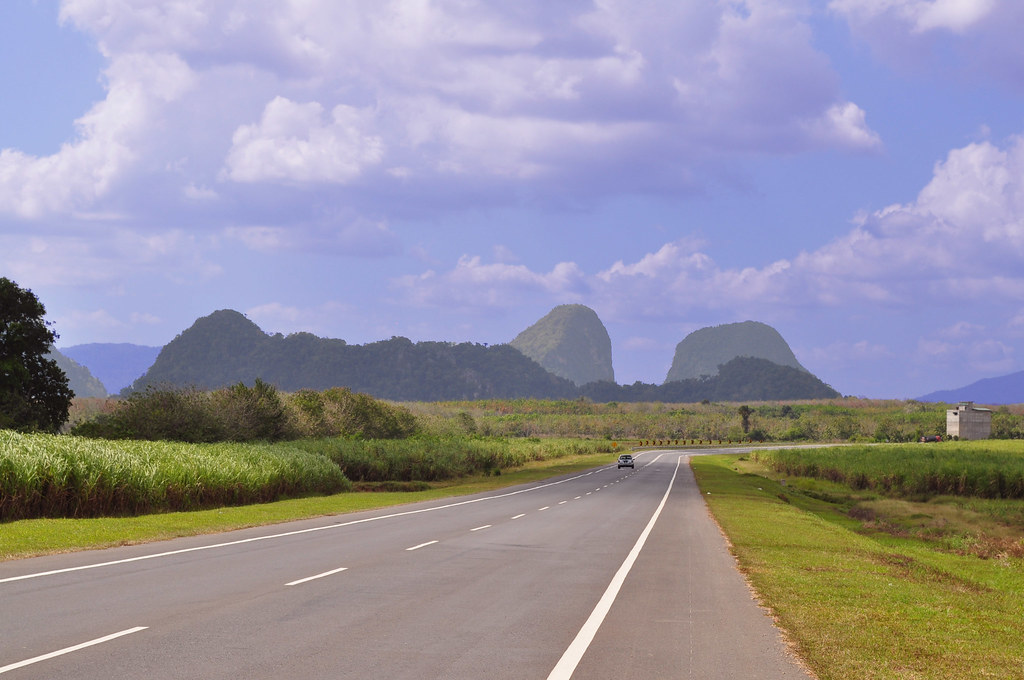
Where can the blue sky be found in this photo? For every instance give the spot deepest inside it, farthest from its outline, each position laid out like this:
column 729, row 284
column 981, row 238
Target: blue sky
column 850, row 172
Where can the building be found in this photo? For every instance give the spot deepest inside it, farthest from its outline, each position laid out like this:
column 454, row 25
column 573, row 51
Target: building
column 967, row 421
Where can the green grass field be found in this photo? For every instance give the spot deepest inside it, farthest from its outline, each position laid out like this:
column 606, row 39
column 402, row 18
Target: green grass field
column 860, row 602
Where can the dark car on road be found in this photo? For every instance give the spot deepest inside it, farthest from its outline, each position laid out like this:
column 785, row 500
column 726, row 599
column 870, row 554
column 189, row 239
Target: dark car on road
column 626, row 460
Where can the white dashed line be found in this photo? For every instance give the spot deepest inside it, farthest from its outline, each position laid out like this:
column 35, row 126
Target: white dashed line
column 313, row 578
column 68, row 650
column 522, row 514
column 486, row 526
column 421, row 545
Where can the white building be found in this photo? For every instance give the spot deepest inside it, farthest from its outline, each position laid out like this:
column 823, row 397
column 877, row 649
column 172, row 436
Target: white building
column 967, row 421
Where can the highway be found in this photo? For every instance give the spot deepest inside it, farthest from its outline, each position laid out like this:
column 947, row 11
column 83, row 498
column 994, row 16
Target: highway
column 603, row 574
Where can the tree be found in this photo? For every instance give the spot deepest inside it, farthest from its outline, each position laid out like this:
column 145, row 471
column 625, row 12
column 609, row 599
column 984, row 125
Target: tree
column 745, row 412
column 34, row 392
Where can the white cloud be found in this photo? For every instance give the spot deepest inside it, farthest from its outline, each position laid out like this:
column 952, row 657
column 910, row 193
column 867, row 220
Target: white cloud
column 319, row 319
column 358, row 237
column 918, row 15
column 958, row 246
column 983, row 35
column 555, row 98
column 293, row 143
column 108, row 138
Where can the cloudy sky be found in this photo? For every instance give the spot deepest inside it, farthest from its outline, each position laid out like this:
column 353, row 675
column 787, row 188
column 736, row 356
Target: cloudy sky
column 850, row 172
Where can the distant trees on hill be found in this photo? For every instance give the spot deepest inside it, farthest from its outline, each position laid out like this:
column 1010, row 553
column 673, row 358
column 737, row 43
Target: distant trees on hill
column 226, row 348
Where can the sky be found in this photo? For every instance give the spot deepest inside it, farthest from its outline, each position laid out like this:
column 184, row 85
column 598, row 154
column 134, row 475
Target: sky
column 850, row 172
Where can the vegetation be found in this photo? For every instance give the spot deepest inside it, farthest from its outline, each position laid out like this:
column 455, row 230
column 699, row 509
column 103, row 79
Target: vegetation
column 952, row 468
column 41, row 536
column 832, row 420
column 571, row 342
column 702, row 351
column 34, row 392
column 861, row 592
column 225, row 348
column 240, row 413
column 46, row 475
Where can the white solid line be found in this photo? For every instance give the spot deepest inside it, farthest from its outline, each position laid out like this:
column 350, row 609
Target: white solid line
column 313, row 578
column 268, row 537
column 522, row 514
column 486, row 526
column 67, row 650
column 421, row 545
column 566, row 666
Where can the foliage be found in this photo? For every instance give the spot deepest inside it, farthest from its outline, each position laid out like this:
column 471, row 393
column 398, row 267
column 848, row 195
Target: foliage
column 34, row 392
column 703, row 351
column 571, row 342
column 948, row 468
column 225, row 348
column 741, row 379
column 240, row 413
column 64, row 476
column 435, row 459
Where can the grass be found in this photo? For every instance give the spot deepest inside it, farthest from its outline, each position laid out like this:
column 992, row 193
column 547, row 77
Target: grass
column 985, row 469
column 45, row 475
column 862, row 603
column 32, row 537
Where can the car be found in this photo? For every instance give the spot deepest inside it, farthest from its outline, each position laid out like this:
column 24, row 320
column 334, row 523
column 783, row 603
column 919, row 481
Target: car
column 626, row 460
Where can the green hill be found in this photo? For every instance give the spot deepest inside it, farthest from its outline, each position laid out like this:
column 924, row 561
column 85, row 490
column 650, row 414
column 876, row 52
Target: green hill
column 226, row 348
column 80, row 380
column 571, row 342
column 703, row 351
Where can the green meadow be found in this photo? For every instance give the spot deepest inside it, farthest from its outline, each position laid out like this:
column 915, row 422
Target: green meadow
column 872, row 579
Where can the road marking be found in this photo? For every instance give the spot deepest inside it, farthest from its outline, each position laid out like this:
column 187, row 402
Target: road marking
column 68, row 650
column 566, row 666
column 543, row 509
column 313, row 578
column 562, row 502
column 285, row 534
column 577, row 498
column 522, row 514
column 486, row 526
column 421, row 545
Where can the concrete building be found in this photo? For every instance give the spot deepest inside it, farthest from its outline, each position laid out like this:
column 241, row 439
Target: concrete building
column 967, row 421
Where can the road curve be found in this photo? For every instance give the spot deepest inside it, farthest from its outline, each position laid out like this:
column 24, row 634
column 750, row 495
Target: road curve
column 604, row 574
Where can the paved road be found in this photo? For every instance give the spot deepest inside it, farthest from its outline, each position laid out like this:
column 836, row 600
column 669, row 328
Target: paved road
column 605, row 574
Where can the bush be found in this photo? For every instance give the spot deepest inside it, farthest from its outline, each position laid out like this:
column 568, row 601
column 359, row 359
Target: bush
column 240, row 413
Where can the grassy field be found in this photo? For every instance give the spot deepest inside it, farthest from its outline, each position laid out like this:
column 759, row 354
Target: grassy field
column 858, row 596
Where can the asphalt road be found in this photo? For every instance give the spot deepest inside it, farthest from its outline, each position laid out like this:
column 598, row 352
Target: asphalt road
column 605, row 574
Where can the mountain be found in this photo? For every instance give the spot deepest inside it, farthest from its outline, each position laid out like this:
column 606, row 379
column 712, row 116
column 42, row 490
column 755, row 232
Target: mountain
column 226, row 348
column 1008, row 389
column 571, row 342
column 703, row 351
column 116, row 365
column 80, row 380
column 739, row 379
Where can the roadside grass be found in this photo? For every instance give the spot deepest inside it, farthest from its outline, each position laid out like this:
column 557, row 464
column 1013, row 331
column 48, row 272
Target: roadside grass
column 33, row 537
column 857, row 602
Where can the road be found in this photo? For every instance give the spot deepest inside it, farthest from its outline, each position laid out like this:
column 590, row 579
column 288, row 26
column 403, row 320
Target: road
column 603, row 574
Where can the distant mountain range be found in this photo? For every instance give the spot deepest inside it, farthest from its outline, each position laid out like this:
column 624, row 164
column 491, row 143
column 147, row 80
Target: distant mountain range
column 225, row 348
column 116, row 365
column 80, row 379
column 1009, row 389
column 564, row 355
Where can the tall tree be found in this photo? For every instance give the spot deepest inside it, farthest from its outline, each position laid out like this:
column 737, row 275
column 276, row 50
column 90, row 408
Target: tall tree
column 34, row 392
